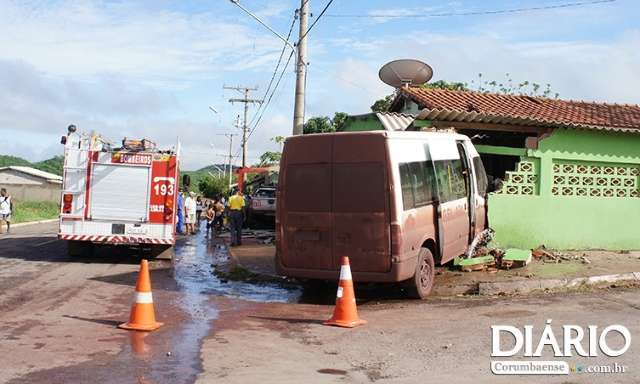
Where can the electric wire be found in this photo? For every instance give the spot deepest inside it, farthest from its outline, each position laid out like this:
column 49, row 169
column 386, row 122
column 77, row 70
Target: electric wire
column 475, row 13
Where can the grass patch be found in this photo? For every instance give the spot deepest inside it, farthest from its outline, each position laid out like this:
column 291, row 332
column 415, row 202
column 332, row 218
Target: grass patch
column 24, row 211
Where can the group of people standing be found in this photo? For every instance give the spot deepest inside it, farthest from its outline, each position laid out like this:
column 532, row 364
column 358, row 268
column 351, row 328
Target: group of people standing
column 192, row 209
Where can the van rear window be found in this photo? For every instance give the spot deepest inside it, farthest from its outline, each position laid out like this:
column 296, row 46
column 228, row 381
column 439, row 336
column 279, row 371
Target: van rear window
column 308, row 188
column 359, row 187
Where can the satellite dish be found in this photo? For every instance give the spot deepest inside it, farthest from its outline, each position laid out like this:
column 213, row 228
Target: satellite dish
column 405, row 72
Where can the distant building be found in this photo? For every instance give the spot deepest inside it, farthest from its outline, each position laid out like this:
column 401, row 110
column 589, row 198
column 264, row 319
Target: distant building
column 30, row 184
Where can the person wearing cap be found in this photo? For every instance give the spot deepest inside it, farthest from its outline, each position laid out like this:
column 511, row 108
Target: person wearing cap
column 190, row 213
column 236, row 205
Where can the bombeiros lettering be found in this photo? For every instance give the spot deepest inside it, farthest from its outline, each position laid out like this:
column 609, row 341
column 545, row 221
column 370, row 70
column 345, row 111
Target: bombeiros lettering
column 573, row 338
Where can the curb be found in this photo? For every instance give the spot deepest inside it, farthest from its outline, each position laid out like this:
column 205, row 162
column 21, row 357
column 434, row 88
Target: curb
column 18, row 225
column 526, row 286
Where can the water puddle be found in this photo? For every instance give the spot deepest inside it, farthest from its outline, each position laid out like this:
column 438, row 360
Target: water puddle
column 195, row 261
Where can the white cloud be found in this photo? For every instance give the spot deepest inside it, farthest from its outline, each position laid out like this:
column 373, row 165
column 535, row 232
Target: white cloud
column 599, row 71
column 81, row 39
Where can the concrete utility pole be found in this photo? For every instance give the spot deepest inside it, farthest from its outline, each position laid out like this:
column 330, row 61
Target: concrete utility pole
column 246, row 100
column 301, row 69
column 230, row 158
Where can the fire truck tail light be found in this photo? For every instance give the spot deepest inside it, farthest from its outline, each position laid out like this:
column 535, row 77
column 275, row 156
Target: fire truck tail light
column 67, row 200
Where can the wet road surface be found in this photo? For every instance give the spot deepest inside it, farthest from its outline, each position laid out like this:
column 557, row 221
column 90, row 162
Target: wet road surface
column 187, row 296
column 59, row 317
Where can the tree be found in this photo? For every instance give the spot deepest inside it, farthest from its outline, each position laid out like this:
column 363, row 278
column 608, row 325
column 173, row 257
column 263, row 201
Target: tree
column 269, row 158
column 320, row 124
column 323, row 124
column 383, row 105
column 211, row 186
column 441, row 84
column 509, row 87
column 338, row 120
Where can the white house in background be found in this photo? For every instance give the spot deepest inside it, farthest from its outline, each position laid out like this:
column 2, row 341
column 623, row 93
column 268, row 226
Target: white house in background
column 30, row 184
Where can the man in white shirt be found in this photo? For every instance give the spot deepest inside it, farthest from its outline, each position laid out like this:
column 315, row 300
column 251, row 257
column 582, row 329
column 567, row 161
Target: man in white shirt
column 5, row 208
column 190, row 213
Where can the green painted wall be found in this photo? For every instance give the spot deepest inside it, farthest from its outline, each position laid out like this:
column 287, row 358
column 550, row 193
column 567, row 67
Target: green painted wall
column 368, row 122
column 584, row 194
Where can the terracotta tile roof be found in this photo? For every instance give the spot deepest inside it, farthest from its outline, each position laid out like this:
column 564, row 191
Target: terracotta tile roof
column 442, row 104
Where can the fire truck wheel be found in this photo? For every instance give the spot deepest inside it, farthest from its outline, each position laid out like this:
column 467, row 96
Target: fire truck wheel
column 79, row 248
column 163, row 252
column 419, row 286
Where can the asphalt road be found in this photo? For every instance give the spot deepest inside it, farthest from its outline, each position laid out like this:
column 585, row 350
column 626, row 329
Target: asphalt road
column 58, row 318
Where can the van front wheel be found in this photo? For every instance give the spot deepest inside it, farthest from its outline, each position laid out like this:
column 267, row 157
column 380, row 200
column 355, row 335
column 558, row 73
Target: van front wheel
column 419, row 286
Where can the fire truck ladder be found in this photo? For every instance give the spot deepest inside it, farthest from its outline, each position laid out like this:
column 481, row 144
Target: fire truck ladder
column 74, row 176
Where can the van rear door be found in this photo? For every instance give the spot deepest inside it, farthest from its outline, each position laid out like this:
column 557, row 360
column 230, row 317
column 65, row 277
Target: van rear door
column 335, row 202
column 304, row 205
column 361, row 202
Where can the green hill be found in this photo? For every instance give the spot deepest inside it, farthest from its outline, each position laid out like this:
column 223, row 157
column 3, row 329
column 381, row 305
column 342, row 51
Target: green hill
column 53, row 165
column 6, row 160
column 201, row 173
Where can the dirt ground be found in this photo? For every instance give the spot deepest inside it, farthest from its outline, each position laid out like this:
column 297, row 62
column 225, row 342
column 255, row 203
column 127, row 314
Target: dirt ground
column 58, row 319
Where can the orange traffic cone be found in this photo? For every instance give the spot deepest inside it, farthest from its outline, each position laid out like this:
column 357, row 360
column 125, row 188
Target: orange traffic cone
column 143, row 317
column 345, row 314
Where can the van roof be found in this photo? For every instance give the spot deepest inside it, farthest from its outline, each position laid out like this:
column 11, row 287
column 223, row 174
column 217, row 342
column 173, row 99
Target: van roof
column 410, row 135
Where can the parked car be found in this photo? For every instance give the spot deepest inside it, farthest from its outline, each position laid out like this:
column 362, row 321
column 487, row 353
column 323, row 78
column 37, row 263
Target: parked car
column 396, row 203
column 262, row 205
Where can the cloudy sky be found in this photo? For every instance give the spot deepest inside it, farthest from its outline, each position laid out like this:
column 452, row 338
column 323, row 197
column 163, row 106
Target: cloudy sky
column 152, row 68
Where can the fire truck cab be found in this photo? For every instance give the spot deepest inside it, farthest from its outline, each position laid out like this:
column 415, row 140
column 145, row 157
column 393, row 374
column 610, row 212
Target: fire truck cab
column 117, row 196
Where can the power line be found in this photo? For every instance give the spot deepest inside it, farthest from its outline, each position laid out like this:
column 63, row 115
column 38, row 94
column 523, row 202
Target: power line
column 268, row 102
column 246, row 101
column 316, row 20
column 272, row 93
column 275, row 72
column 476, row 13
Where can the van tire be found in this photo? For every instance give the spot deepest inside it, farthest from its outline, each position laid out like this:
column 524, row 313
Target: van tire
column 420, row 285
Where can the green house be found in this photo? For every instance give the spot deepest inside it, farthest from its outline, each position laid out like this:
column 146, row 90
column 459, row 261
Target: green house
column 567, row 171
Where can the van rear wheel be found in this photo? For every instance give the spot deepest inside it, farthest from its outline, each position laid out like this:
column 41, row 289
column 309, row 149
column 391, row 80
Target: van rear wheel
column 420, row 285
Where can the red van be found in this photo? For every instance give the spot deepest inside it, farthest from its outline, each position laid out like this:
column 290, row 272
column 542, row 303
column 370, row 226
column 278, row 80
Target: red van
column 396, row 203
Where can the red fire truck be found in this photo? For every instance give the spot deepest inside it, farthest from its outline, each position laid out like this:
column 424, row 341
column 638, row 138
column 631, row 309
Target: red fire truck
column 123, row 195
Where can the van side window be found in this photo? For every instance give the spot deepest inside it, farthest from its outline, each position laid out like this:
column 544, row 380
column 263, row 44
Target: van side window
column 481, row 176
column 418, row 184
column 451, row 180
column 407, row 186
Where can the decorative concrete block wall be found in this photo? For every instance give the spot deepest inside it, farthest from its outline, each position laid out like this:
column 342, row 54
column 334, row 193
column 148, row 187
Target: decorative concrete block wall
column 578, row 190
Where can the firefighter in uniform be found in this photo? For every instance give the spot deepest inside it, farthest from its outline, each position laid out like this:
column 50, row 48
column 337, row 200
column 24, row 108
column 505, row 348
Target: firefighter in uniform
column 236, row 206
